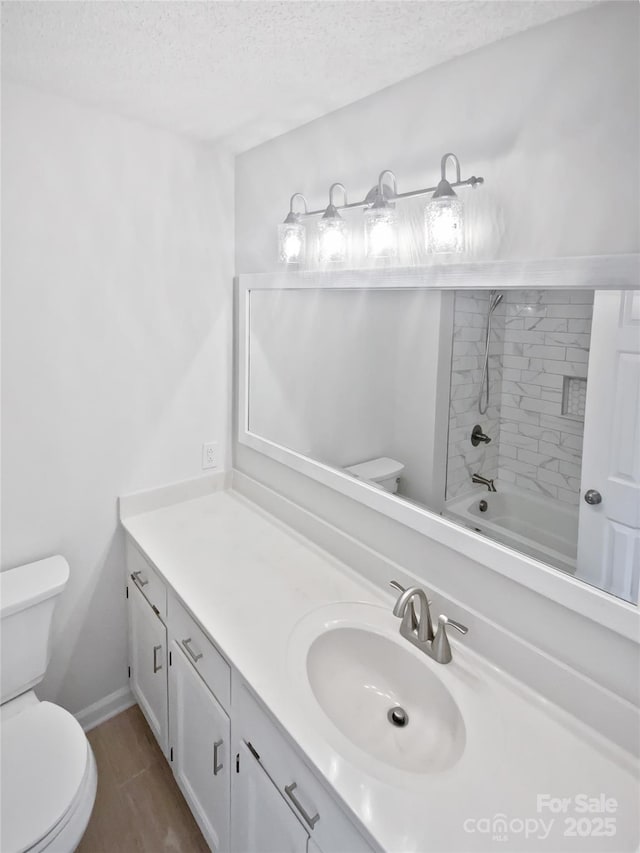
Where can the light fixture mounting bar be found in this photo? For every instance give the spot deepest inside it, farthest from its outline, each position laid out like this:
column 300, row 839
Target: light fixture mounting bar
column 473, row 181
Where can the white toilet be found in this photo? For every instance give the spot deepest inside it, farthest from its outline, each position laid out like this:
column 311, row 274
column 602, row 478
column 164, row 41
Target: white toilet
column 49, row 775
column 382, row 472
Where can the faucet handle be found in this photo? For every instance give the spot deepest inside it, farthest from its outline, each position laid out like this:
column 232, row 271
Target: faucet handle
column 440, row 646
column 457, row 625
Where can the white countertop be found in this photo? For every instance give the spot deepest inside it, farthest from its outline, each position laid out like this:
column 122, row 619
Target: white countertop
column 249, row 581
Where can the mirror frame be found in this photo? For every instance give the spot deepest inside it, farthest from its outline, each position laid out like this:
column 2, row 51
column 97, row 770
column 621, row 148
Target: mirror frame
column 599, row 272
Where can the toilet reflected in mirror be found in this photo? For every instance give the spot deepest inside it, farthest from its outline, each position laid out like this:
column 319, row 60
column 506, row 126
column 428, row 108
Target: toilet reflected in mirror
column 383, row 473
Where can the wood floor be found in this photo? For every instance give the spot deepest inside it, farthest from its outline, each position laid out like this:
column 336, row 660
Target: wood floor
column 139, row 808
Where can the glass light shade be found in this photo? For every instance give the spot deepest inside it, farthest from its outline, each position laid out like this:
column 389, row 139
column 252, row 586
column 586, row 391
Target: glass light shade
column 381, row 232
column 444, row 225
column 332, row 237
column 291, row 242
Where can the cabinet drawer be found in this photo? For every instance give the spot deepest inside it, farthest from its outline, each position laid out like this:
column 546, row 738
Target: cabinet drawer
column 148, row 581
column 318, row 811
column 201, row 652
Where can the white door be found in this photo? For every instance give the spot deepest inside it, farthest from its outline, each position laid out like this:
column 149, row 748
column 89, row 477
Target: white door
column 148, row 661
column 609, row 530
column 261, row 821
column 200, row 749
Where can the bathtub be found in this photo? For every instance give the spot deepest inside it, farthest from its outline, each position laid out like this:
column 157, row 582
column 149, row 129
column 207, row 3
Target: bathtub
column 542, row 527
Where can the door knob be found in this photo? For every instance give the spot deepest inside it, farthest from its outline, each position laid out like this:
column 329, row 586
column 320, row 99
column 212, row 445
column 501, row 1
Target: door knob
column 593, row 497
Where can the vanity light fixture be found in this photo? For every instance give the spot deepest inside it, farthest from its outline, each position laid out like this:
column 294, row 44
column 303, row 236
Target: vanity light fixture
column 381, row 221
column 444, row 214
column 332, row 231
column 443, row 219
column 292, row 234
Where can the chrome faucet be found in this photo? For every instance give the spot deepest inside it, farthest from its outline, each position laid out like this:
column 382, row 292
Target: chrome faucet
column 418, row 629
column 412, row 625
column 484, row 481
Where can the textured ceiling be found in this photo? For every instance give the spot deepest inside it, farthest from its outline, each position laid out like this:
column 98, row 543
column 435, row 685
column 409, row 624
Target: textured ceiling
column 248, row 69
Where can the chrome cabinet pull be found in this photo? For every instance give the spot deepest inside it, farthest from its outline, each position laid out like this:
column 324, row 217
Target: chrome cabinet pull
column 217, row 767
column 156, row 666
column 195, row 656
column 138, row 580
column 289, row 789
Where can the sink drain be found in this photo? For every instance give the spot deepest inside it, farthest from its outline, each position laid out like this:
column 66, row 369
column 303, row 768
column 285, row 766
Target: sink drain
column 398, row 716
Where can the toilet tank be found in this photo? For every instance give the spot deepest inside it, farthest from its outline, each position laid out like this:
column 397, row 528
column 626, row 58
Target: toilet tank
column 28, row 596
column 383, row 471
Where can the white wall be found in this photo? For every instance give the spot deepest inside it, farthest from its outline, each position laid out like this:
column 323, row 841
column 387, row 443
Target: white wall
column 320, row 378
column 346, row 376
column 116, row 271
column 550, row 118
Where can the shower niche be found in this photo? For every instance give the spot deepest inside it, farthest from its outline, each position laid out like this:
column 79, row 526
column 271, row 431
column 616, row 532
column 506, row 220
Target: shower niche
column 498, row 402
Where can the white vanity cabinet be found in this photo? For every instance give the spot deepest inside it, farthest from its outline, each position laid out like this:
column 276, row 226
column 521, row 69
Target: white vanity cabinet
column 199, row 726
column 200, row 748
column 248, row 789
column 148, row 663
column 261, row 819
column 303, row 812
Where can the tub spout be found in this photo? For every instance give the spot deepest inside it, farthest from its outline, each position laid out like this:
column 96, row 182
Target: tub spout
column 484, row 481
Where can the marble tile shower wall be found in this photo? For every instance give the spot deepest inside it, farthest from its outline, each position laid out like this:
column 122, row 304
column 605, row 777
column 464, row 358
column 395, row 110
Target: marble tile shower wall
column 546, row 338
column 469, row 337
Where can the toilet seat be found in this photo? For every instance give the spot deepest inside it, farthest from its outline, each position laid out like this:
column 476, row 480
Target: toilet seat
column 46, row 765
column 67, row 834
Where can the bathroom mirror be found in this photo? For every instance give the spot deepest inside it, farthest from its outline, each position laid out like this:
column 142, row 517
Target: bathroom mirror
column 499, row 405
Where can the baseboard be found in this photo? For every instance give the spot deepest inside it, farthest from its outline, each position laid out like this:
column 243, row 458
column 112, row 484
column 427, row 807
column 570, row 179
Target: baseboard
column 106, row 708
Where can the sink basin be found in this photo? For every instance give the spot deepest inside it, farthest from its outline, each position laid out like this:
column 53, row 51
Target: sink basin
column 384, row 699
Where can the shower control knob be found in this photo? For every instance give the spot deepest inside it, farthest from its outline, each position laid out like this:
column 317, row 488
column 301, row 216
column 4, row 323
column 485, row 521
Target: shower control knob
column 593, row 497
column 478, row 436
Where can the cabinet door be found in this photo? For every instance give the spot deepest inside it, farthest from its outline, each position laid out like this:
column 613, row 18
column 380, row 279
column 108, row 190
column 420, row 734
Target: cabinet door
column 148, row 660
column 200, row 732
column 261, row 821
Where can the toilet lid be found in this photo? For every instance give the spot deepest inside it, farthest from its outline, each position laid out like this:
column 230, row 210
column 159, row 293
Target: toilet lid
column 377, row 469
column 44, row 758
